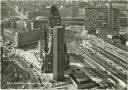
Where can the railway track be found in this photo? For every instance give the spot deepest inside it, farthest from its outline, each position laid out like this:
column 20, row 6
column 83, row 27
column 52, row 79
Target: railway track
column 89, row 59
column 110, row 48
column 109, row 67
column 81, row 59
column 113, row 71
column 86, row 68
column 108, row 62
column 110, row 56
column 124, row 60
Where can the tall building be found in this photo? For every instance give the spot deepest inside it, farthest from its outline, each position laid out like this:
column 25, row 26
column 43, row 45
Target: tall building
column 4, row 9
column 58, row 53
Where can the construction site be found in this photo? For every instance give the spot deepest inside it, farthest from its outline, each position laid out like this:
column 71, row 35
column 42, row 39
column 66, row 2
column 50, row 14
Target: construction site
column 64, row 44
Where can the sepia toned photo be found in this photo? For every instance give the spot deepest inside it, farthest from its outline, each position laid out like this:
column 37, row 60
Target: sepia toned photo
column 64, row 44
